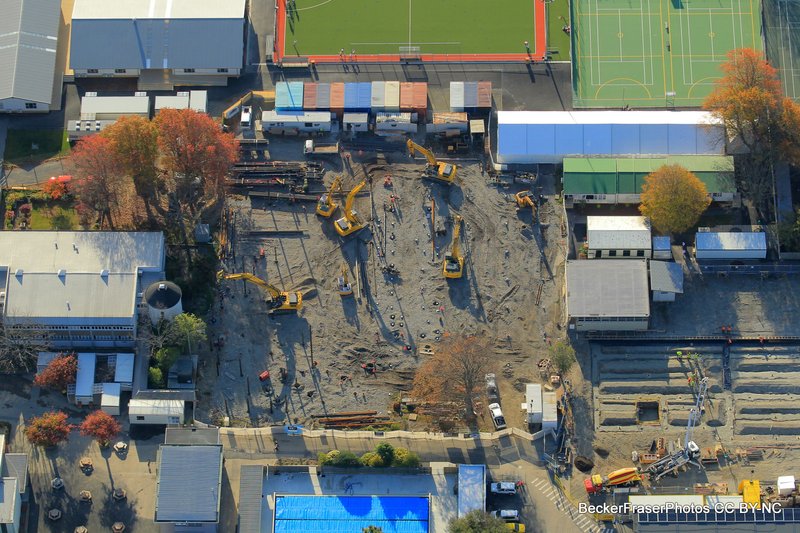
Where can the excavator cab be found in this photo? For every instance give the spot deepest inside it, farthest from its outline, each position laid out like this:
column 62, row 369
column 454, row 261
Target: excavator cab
column 344, row 286
column 436, row 170
column 351, row 222
column 523, row 199
column 453, row 265
column 325, row 205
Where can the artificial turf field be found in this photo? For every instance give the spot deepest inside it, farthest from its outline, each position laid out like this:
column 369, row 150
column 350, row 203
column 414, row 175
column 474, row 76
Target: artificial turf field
column 656, row 53
column 434, row 29
column 782, row 33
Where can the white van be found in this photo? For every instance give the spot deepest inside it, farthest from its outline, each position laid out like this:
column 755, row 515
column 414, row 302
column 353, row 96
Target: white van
column 247, row 117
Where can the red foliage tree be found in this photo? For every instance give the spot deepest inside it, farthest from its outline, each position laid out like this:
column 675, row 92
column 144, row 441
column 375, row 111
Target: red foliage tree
column 49, row 429
column 100, row 425
column 195, row 152
column 135, row 143
column 58, row 373
column 57, row 187
column 100, row 176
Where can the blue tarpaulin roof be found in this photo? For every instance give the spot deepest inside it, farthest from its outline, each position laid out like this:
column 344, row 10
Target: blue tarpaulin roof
column 289, row 95
column 347, row 514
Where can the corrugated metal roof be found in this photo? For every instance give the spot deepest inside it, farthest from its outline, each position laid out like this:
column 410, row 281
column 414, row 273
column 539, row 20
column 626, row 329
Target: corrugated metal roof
column 188, row 485
column 91, row 106
column 392, row 96
column 608, row 288
column 662, row 243
column 618, row 233
column 8, row 497
column 456, row 95
column 355, row 118
column 110, row 395
column 139, row 406
column 123, row 373
column 295, row 117
column 378, row 95
column 604, row 117
column 666, row 277
column 251, row 483
column 28, row 43
column 712, row 240
column 16, row 465
column 84, row 381
column 323, row 96
column 289, row 95
column 136, row 34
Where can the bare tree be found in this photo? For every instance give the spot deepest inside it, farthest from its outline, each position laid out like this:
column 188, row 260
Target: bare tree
column 20, row 347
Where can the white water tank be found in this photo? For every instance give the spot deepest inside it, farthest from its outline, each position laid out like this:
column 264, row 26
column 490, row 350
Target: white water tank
column 163, row 301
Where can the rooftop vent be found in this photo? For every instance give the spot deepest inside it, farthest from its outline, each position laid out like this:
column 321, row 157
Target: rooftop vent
column 62, row 273
column 104, row 273
column 162, row 286
column 18, row 273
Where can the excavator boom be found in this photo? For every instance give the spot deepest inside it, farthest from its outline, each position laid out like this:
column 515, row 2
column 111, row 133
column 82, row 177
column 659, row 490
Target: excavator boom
column 280, row 301
column 326, row 206
column 438, row 170
column 350, row 222
column 453, row 265
column 414, row 147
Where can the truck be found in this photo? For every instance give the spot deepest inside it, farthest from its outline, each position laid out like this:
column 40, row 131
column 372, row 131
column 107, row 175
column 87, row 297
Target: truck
column 618, row 478
column 312, row 149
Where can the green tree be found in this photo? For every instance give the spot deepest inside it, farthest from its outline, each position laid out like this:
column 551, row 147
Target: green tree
column 562, row 355
column 372, row 460
column 155, row 378
column 477, row 522
column 386, row 451
column 189, row 329
column 372, row 529
column 673, row 198
column 405, row 458
column 166, row 357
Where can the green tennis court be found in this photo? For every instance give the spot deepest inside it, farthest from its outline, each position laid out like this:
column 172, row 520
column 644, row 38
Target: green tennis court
column 782, row 33
column 454, row 27
column 656, row 53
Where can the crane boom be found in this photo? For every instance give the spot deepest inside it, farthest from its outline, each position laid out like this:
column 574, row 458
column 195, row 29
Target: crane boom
column 414, row 147
column 696, row 413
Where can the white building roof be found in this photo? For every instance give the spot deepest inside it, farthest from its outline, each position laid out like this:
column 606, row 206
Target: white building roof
column 188, row 485
column 295, row 118
column 533, row 398
column 549, row 407
column 8, row 499
column 731, row 240
column 178, row 101
column 666, row 277
column 605, row 117
column 155, row 407
column 123, row 373
column 111, row 393
column 607, row 288
column 618, row 233
column 92, row 105
column 84, row 382
column 158, row 9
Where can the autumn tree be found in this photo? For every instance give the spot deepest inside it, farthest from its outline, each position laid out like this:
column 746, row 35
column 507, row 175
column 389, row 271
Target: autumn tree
column 197, row 154
column 455, row 371
column 100, row 177
column 58, row 373
column 49, row 429
column 673, row 198
column 134, row 141
column 749, row 102
column 477, row 521
column 101, row 426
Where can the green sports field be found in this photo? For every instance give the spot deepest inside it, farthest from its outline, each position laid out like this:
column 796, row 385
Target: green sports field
column 324, row 27
column 782, row 33
column 656, row 53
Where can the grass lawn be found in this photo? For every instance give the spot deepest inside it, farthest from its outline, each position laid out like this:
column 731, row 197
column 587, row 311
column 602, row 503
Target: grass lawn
column 49, row 143
column 557, row 38
column 321, row 27
column 53, row 215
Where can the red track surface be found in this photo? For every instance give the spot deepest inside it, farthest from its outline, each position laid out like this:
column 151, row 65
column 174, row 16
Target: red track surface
column 537, row 54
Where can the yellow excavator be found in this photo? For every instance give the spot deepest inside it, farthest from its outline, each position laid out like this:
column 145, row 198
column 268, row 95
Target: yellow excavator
column 453, row 265
column 351, row 222
column 525, row 199
column 343, row 285
column 437, row 170
column 325, row 205
column 280, row 302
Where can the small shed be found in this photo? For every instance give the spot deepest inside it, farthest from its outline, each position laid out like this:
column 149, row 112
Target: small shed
column 449, row 123
column 618, row 237
column 356, row 122
column 295, row 122
column 198, row 101
column 662, row 248
column 155, row 411
column 123, row 370
column 109, row 399
column 84, row 381
column 666, row 280
column 94, row 107
column 289, row 96
column 477, row 127
column 731, row 245
column 394, row 122
column 549, row 411
column 533, row 403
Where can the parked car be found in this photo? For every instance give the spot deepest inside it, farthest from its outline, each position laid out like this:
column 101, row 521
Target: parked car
column 516, row 526
column 491, row 388
column 509, row 515
column 497, row 416
column 503, row 487
column 246, row 119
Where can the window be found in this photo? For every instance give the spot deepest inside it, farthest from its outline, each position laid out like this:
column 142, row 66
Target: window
column 626, row 253
column 222, row 71
column 612, row 253
column 120, row 71
column 92, row 71
column 139, row 417
column 30, row 105
column 597, row 254
column 188, row 70
column 309, row 125
column 639, row 253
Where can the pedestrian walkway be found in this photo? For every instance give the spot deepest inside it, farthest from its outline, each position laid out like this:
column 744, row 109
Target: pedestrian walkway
column 581, row 520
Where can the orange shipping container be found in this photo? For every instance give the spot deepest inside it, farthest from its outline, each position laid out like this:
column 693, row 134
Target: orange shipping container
column 310, row 96
column 406, row 96
column 421, row 98
column 484, row 94
column 337, row 95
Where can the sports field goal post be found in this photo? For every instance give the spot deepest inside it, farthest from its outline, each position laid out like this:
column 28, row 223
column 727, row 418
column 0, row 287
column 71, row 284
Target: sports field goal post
column 410, row 53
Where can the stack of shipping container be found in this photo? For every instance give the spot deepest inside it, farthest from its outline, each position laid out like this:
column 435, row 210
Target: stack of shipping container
column 470, row 95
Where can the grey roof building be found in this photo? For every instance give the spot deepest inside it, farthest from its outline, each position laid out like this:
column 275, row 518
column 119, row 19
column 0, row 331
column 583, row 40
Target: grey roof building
column 202, row 37
column 608, row 295
column 28, row 43
column 78, row 288
column 666, row 280
column 188, row 485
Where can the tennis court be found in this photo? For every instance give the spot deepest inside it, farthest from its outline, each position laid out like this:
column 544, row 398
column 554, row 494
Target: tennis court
column 389, row 30
column 350, row 514
column 782, row 34
column 656, row 53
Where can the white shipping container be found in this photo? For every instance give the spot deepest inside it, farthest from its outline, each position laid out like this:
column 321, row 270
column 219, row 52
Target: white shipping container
column 156, row 412
column 731, row 245
column 392, row 96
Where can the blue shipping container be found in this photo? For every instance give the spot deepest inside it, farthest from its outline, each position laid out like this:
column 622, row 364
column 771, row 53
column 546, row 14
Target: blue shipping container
column 364, row 95
column 289, row 96
column 350, row 96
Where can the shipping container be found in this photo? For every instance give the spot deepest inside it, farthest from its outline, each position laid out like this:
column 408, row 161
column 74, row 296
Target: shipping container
column 378, row 90
column 394, row 122
column 310, row 96
column 295, row 121
column 350, row 96
column 406, row 96
column 484, row 94
column 470, row 94
column 323, row 96
column 289, row 96
column 364, row 98
column 337, row 98
column 448, row 122
column 392, row 96
column 356, row 122
column 456, row 96
column 421, row 98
